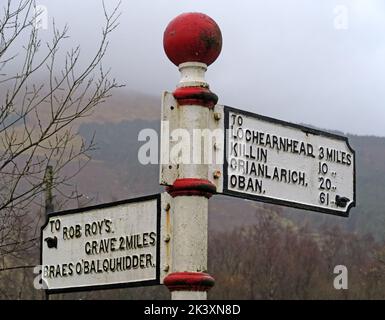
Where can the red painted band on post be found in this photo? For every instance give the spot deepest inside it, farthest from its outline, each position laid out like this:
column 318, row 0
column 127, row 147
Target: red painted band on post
column 192, row 187
column 189, row 281
column 196, row 96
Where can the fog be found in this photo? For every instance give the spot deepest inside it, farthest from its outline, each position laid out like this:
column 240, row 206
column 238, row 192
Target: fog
column 319, row 62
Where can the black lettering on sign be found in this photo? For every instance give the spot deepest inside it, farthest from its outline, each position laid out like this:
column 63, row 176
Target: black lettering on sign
column 142, row 261
column 108, row 225
column 87, row 229
column 136, row 241
column 98, row 227
column 153, row 238
column 295, row 146
column 94, row 228
column 246, row 184
column 113, row 242
column 238, row 149
column 338, row 156
column 349, row 159
column 234, row 149
column 105, row 265
column 135, row 261
column 94, row 247
column 268, row 140
column 323, row 168
column 78, row 268
column 121, row 244
column 55, row 225
column 324, row 198
column 233, row 116
column 94, row 266
column 86, row 266
column 87, row 248
column 139, row 241
column 145, row 239
column 148, row 260
column 325, row 184
column 72, row 232
column 119, row 265
column 240, row 133
column 321, row 153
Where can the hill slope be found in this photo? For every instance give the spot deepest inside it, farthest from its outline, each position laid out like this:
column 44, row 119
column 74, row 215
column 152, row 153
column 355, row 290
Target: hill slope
column 115, row 173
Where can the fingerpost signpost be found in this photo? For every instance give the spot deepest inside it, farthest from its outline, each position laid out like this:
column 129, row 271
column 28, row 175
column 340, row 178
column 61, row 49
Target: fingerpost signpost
column 162, row 239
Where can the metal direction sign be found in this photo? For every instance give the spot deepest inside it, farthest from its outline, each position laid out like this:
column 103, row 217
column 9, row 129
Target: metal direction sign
column 110, row 245
column 283, row 163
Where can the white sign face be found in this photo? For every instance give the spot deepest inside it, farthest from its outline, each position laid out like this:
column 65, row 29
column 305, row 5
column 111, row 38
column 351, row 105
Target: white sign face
column 283, row 163
column 109, row 245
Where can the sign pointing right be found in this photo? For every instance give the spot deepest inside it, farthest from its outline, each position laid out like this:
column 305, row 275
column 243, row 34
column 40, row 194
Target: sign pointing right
column 283, row 163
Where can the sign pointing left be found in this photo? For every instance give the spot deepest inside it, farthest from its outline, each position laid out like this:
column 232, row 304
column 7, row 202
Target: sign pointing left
column 107, row 246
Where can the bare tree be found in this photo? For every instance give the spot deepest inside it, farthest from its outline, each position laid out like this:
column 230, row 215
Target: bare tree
column 43, row 92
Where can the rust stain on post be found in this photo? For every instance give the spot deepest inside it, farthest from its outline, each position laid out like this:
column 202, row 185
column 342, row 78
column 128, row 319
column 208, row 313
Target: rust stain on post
column 168, row 232
column 210, row 40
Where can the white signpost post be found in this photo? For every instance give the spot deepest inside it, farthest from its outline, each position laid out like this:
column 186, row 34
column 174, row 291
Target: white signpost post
column 283, row 163
column 110, row 245
column 163, row 238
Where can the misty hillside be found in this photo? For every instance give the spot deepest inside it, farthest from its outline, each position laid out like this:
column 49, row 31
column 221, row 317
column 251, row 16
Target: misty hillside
column 115, row 173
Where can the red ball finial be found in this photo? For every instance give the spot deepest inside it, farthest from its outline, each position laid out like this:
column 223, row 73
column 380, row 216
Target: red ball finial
column 192, row 37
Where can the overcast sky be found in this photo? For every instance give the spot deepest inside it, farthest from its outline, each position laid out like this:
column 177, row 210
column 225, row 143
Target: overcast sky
column 297, row 60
